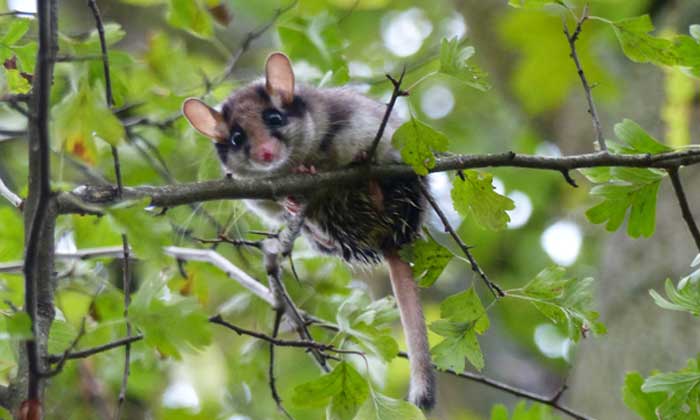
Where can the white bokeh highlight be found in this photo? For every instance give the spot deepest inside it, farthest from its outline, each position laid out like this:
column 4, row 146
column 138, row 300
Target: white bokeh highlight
column 403, row 33
column 551, row 342
column 22, row 5
column 437, row 101
column 440, row 187
column 562, row 242
column 453, row 26
column 522, row 211
column 181, row 394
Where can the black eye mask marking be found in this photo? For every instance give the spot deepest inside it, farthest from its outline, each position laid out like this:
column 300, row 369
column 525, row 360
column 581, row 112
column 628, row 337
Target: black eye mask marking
column 274, row 118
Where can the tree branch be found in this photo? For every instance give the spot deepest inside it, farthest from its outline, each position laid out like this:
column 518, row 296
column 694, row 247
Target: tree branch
column 214, row 258
column 39, row 210
column 300, row 184
column 685, row 207
column 126, row 286
column 572, row 38
column 82, row 254
column 13, row 198
column 552, row 401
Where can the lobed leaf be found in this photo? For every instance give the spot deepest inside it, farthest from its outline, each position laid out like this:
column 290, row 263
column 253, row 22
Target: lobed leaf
column 417, row 142
column 563, row 300
column 474, row 196
column 453, row 62
column 343, row 391
column 429, row 259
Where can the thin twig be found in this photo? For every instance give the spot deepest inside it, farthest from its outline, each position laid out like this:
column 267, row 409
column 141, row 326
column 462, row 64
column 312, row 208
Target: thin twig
column 82, row 354
column 271, row 367
column 395, row 94
column 12, row 133
column 13, row 198
column 572, row 38
column 493, row 287
column 225, row 239
column 18, row 13
column 245, row 45
column 126, row 286
column 552, row 401
column 685, row 207
column 64, row 357
column 108, row 87
column 274, row 249
column 103, row 46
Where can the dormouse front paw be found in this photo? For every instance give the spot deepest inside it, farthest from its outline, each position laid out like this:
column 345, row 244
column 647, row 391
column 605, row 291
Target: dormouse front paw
column 304, row 169
column 292, row 206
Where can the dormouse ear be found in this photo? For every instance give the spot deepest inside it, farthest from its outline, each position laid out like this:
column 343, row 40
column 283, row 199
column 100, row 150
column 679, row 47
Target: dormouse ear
column 279, row 77
column 205, row 119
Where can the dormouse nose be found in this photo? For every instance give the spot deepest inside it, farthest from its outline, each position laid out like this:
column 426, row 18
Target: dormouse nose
column 267, row 151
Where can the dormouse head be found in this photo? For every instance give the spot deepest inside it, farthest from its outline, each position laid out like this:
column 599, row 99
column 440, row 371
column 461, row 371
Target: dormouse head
column 261, row 127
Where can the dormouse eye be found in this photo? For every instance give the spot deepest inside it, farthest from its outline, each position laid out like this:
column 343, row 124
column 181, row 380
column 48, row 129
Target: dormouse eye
column 274, row 118
column 237, row 137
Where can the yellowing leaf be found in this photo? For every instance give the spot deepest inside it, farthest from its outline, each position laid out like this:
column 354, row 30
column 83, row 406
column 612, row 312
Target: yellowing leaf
column 80, row 119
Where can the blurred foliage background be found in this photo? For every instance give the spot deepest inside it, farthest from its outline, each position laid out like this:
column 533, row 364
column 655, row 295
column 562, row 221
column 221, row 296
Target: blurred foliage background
column 162, row 51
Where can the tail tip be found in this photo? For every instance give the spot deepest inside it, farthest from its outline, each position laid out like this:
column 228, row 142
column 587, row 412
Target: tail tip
column 423, row 397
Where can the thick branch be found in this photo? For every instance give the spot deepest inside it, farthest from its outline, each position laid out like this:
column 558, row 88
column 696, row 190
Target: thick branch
column 39, row 210
column 300, row 184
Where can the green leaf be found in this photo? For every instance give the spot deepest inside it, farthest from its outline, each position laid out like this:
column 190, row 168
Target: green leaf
column 381, row 407
column 564, row 300
column 453, row 62
column 642, row 403
column 627, row 190
column 16, row 83
column 317, row 40
column 429, row 259
column 171, row 325
column 15, row 31
column 369, row 324
column 451, row 352
column 26, row 54
column 522, row 412
column 682, row 392
column 191, row 16
column 462, row 317
column 637, row 140
column 639, row 46
column 533, row 4
column 474, row 197
column 113, row 33
column 417, row 142
column 81, row 118
column 16, row 325
column 684, row 298
column 343, row 391
column 131, row 217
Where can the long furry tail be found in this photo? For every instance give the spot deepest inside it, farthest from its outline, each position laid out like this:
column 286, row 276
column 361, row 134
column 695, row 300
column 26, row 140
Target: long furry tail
column 422, row 390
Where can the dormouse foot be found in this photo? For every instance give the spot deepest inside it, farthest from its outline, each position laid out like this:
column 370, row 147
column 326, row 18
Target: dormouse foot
column 292, row 206
column 303, row 169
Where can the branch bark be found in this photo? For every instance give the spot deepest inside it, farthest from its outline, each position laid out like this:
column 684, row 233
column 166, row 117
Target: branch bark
column 40, row 213
column 80, row 199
